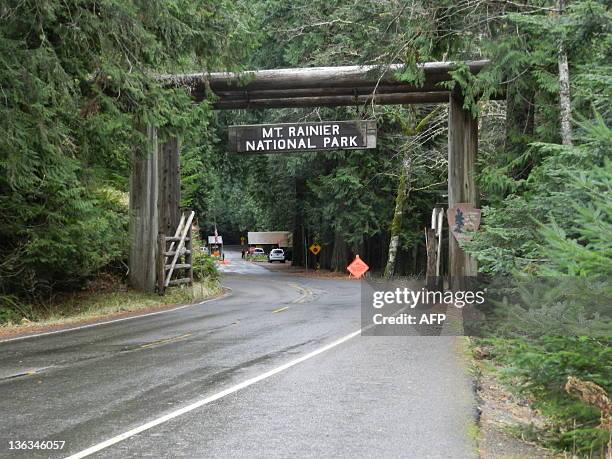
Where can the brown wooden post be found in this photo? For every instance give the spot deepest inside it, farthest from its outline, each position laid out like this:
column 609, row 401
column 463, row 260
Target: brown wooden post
column 169, row 199
column 462, row 150
column 431, row 244
column 189, row 254
column 161, row 263
column 143, row 225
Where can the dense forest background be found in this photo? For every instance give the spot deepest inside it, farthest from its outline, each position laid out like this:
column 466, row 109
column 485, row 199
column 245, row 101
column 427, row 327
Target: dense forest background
column 77, row 78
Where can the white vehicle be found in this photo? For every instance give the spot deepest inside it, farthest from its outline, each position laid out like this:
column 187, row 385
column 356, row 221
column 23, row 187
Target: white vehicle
column 258, row 251
column 277, row 255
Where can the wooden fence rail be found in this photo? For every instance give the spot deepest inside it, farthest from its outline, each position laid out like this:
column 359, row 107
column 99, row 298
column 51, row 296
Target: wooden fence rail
column 181, row 246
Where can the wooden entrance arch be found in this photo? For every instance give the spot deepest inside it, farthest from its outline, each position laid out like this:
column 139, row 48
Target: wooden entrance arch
column 155, row 181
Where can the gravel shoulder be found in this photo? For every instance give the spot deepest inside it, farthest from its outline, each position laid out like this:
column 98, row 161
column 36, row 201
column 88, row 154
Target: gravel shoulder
column 500, row 412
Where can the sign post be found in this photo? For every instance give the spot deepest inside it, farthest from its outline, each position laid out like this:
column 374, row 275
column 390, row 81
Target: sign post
column 315, row 248
column 288, row 137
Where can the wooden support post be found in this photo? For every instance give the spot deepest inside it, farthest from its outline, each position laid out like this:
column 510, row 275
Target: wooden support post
column 462, row 150
column 161, row 263
column 189, row 254
column 143, row 225
column 431, row 244
column 169, row 199
column 440, row 229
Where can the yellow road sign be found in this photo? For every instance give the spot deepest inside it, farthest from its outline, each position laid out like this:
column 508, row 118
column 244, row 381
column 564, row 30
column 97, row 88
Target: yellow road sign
column 315, row 248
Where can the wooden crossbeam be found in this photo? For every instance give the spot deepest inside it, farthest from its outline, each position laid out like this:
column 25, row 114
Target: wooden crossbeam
column 239, row 93
column 179, row 266
column 175, row 238
column 336, row 101
column 184, row 280
column 320, row 86
column 171, row 253
column 176, row 234
column 315, row 77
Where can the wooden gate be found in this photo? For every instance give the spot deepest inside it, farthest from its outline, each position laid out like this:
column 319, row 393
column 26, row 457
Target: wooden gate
column 177, row 256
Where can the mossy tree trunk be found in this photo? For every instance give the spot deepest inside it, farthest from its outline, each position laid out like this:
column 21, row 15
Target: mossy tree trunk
column 403, row 191
column 564, row 91
column 398, row 214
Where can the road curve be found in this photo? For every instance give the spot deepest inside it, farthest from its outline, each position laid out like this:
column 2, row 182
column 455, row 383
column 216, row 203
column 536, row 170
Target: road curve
column 384, row 396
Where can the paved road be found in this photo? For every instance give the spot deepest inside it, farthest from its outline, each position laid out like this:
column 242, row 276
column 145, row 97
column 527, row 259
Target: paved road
column 367, row 396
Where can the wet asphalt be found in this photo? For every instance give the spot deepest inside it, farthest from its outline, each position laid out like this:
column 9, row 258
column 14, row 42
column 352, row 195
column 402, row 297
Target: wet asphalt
column 369, row 396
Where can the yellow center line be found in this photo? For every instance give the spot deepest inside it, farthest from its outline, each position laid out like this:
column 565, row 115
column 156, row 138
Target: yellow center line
column 280, row 310
column 164, row 341
column 305, row 293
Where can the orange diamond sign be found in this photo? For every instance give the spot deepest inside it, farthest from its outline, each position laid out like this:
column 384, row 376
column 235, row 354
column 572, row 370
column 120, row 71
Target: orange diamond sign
column 358, row 267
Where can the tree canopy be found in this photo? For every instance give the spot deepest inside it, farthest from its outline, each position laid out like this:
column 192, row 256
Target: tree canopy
column 78, row 78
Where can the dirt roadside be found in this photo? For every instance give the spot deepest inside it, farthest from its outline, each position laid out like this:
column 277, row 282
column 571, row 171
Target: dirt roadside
column 500, row 413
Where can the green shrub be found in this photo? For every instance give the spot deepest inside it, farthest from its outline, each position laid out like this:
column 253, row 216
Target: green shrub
column 559, row 229
column 204, row 266
column 9, row 309
column 539, row 368
column 86, row 233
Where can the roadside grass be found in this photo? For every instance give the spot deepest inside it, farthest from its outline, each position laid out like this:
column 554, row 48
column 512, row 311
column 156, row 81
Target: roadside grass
column 87, row 306
column 257, row 258
column 465, row 350
column 473, row 433
column 531, row 377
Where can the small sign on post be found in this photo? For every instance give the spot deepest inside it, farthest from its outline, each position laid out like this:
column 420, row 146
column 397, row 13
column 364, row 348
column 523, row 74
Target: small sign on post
column 463, row 219
column 315, row 248
column 358, row 267
column 288, row 137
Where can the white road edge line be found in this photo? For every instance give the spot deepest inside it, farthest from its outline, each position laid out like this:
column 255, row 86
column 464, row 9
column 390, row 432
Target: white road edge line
column 207, row 400
column 64, row 330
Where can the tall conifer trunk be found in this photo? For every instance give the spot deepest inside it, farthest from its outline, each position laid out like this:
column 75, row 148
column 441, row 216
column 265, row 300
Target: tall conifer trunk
column 298, row 258
column 564, row 90
column 339, row 260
